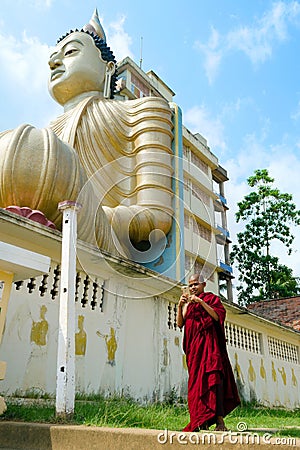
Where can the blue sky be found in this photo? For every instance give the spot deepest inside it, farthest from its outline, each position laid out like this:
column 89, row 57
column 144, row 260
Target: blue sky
column 233, row 64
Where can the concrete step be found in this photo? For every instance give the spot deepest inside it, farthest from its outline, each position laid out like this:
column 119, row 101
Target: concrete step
column 35, row 436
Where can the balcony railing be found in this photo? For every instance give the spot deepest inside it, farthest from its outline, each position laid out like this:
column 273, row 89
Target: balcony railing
column 225, row 267
column 223, row 231
column 221, row 198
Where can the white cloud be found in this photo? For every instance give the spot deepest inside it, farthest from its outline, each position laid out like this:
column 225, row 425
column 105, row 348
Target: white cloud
column 199, row 120
column 38, row 4
column 212, row 55
column 296, row 114
column 256, row 41
column 24, row 62
column 119, row 40
column 42, row 3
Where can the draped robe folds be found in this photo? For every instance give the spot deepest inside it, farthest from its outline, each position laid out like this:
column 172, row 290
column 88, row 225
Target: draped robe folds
column 113, row 157
column 208, row 364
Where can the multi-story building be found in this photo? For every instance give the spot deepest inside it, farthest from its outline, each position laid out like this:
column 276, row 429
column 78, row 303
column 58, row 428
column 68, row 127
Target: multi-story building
column 206, row 237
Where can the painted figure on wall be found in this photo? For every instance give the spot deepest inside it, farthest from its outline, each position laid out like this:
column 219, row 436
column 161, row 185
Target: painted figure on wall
column 111, row 345
column 117, row 154
column 263, row 385
column 166, row 355
column 80, row 338
column 294, row 378
column 262, row 370
column 252, row 381
column 239, row 377
column 39, row 329
column 275, row 380
column 237, row 369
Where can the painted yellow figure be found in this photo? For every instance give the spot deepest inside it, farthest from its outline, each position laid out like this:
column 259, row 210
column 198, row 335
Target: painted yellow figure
column 274, row 374
column 283, row 375
column 237, row 369
column 39, row 329
column 80, row 338
column 111, row 345
column 262, row 370
column 165, row 353
column 251, row 372
column 294, row 378
column 117, row 153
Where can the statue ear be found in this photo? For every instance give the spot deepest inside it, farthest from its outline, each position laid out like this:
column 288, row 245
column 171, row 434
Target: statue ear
column 110, row 70
column 111, row 67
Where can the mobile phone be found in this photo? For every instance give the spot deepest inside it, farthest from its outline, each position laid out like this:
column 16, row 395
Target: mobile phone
column 185, row 290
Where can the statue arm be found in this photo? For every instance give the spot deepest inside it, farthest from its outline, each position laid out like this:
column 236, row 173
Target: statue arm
column 153, row 207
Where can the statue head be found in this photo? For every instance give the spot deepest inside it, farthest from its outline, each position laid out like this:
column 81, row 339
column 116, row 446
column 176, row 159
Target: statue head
column 82, row 62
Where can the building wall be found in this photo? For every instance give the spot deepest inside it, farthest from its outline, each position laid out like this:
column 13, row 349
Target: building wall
column 127, row 342
column 284, row 310
column 265, row 358
column 122, row 342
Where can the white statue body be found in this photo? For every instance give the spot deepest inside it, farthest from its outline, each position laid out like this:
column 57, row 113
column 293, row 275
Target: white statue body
column 114, row 156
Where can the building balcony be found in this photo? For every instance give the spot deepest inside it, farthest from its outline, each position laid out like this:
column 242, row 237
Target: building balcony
column 223, row 231
column 226, row 269
column 220, row 202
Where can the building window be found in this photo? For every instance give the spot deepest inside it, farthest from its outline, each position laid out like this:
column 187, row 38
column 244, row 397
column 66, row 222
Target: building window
column 201, row 195
column 282, row 350
column 185, row 151
column 187, row 263
column 205, row 270
column 186, row 185
column 138, row 88
column 243, row 338
column 186, row 220
column 201, row 231
column 199, row 163
column 192, row 265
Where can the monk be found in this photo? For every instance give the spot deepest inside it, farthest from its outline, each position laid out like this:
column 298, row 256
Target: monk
column 112, row 156
column 212, row 391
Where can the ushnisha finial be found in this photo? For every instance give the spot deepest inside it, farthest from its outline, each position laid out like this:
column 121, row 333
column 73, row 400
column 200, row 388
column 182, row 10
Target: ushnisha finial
column 94, row 26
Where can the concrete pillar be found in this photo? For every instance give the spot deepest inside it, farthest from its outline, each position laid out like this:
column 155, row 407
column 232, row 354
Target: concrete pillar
column 65, row 380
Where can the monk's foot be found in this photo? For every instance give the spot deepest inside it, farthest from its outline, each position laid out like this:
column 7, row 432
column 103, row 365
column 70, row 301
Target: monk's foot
column 204, row 426
column 220, row 424
column 221, row 427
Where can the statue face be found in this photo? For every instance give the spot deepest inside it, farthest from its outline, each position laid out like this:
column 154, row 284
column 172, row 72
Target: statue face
column 76, row 66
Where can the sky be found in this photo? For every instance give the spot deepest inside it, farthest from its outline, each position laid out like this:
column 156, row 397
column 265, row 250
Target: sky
column 233, row 64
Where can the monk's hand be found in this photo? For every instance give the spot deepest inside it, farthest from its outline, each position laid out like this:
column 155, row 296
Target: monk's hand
column 195, row 299
column 183, row 300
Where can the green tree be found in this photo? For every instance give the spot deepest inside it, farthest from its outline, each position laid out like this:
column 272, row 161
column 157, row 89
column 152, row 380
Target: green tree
column 268, row 215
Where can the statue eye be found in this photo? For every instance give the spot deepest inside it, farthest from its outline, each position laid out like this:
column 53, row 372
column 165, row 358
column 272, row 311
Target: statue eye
column 70, row 51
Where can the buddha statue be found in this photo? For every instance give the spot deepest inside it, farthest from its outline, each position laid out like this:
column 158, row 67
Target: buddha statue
column 112, row 156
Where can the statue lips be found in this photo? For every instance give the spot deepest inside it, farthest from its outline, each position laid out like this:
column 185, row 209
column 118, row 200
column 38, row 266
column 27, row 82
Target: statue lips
column 56, row 73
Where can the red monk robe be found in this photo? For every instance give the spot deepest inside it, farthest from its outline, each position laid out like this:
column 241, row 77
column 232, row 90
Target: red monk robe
column 208, row 364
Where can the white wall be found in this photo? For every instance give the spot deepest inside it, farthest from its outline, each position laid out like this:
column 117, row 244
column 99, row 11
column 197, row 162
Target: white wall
column 144, row 359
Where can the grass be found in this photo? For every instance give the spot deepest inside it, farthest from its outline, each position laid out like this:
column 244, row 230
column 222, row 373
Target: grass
column 124, row 412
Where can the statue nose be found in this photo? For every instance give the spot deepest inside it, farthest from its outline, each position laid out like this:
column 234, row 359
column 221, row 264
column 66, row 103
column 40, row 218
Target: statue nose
column 53, row 63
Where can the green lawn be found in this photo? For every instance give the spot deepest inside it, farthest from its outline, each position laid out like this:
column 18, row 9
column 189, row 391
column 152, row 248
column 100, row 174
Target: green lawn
column 125, row 412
